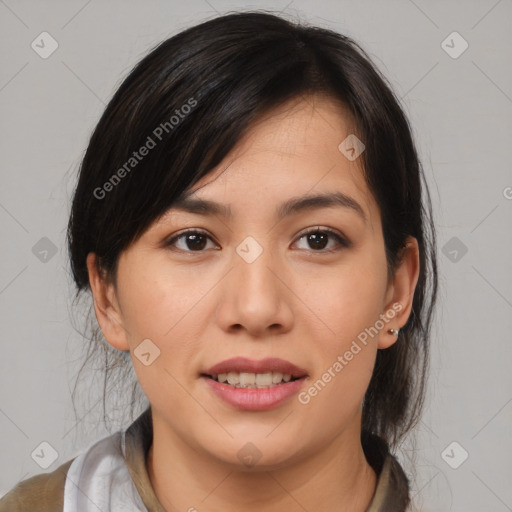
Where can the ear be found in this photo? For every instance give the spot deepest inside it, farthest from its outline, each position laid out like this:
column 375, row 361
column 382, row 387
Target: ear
column 400, row 293
column 106, row 306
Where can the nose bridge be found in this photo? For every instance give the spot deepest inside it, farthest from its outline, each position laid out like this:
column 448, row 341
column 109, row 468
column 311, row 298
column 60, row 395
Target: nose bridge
column 255, row 262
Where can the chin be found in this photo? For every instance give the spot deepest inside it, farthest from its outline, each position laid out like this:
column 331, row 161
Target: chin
column 258, row 452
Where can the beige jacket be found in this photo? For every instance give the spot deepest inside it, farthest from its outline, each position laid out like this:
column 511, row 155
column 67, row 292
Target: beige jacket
column 45, row 492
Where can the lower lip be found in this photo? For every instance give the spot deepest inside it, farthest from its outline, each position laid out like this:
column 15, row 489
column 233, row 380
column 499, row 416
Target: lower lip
column 254, row 399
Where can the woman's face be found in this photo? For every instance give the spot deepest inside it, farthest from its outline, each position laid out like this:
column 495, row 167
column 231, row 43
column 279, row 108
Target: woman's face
column 254, row 285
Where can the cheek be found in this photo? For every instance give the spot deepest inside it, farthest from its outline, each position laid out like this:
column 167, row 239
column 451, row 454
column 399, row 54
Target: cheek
column 348, row 304
column 349, row 307
column 343, row 370
column 143, row 303
column 350, row 298
column 163, row 307
column 157, row 309
column 337, row 394
column 155, row 302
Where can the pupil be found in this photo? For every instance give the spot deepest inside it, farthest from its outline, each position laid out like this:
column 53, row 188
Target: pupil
column 315, row 237
column 196, row 239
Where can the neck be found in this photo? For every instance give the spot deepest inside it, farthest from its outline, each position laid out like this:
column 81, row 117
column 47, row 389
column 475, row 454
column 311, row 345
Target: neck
column 186, row 479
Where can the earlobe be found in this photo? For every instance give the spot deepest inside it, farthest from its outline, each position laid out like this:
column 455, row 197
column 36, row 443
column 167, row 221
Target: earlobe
column 401, row 294
column 106, row 307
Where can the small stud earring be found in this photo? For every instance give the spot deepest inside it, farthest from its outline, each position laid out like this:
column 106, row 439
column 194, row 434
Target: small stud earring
column 394, row 331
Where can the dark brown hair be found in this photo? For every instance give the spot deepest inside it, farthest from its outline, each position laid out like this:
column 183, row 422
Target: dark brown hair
column 195, row 95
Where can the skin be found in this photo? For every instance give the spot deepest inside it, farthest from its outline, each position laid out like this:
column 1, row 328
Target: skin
column 295, row 301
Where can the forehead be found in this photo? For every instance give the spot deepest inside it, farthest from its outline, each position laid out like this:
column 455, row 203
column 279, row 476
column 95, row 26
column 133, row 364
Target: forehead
column 289, row 152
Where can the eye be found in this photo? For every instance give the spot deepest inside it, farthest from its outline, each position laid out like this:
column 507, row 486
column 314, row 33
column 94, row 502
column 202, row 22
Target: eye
column 195, row 240
column 318, row 239
column 192, row 238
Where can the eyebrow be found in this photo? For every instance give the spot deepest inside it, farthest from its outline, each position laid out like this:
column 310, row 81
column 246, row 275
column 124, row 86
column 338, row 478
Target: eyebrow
column 292, row 206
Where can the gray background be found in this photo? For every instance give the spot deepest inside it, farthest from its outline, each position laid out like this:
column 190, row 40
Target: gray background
column 461, row 113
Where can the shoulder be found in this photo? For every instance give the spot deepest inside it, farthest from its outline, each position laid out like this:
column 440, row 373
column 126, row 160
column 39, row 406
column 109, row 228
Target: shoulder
column 392, row 492
column 41, row 493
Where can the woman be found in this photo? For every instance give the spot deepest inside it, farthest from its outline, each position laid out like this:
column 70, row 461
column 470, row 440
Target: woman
column 250, row 221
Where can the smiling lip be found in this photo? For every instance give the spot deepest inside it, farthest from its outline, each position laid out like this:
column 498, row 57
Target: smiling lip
column 254, row 399
column 242, row 364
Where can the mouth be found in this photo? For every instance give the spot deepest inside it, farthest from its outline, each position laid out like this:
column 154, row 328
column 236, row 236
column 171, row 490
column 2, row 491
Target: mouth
column 254, row 385
column 241, row 372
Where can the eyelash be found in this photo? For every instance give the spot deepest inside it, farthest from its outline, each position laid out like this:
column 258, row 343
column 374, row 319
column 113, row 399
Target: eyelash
column 344, row 243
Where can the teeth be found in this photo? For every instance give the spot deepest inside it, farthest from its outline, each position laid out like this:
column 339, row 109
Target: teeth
column 253, row 380
column 277, row 377
column 247, row 379
column 263, row 380
column 233, row 378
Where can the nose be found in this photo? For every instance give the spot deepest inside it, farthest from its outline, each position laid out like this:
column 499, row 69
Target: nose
column 255, row 297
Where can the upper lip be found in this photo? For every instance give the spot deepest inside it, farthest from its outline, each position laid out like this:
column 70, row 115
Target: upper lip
column 243, row 364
